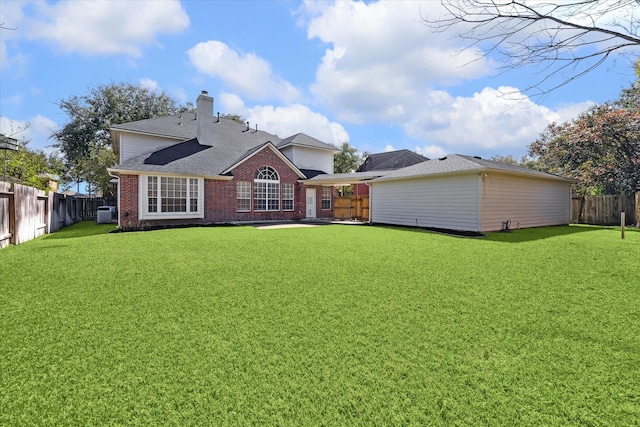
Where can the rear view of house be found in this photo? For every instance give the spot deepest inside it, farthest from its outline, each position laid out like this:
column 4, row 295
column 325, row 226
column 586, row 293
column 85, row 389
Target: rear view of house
column 194, row 168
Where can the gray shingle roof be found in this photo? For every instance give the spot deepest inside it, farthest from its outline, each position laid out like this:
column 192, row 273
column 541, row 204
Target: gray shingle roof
column 231, row 144
column 391, row 160
column 342, row 178
column 303, row 140
column 454, row 163
column 182, row 125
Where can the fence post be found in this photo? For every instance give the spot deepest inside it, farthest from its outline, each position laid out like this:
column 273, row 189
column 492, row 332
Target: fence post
column 622, row 221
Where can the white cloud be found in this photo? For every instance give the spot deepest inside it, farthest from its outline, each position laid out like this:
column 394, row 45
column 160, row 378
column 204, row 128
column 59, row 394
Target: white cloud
column 103, row 27
column 388, row 148
column 381, row 57
column 246, row 73
column 383, row 65
column 431, row 151
column 485, row 123
column 149, row 84
column 284, row 121
column 289, row 120
column 230, row 103
column 35, row 131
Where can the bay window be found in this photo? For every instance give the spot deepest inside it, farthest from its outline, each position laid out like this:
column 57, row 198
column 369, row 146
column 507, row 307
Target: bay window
column 166, row 197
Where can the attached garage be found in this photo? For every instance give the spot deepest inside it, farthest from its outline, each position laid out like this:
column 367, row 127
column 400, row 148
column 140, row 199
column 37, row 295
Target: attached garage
column 469, row 193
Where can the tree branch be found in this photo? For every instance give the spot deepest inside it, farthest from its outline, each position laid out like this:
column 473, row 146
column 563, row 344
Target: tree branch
column 568, row 39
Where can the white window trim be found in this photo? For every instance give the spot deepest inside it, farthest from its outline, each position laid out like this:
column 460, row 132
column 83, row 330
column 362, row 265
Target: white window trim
column 292, row 199
column 143, row 206
column 268, row 183
column 322, row 198
column 250, row 197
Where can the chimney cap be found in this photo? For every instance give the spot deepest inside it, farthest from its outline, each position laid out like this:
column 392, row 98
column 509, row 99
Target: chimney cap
column 204, row 92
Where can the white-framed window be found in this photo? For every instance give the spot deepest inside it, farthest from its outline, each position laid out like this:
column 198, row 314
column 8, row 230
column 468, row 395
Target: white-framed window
column 326, row 197
column 167, row 197
column 243, row 196
column 266, row 190
column 287, row 197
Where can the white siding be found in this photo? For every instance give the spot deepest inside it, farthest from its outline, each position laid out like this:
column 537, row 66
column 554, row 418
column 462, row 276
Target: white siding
column 449, row 202
column 310, row 158
column 133, row 145
column 527, row 202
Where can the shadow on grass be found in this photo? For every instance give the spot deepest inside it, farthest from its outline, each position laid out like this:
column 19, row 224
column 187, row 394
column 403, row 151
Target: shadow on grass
column 539, row 233
column 514, row 236
column 81, row 229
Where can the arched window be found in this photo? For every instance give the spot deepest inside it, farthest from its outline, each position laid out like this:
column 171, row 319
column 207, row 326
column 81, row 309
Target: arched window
column 266, row 190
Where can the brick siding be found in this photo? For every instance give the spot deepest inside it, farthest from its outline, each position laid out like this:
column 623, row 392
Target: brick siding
column 220, row 197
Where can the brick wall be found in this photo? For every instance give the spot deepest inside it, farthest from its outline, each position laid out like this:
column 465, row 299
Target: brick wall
column 220, row 196
column 128, row 211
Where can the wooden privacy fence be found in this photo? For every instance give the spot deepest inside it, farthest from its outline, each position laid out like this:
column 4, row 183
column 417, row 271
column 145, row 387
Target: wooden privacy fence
column 351, row 207
column 26, row 212
column 605, row 210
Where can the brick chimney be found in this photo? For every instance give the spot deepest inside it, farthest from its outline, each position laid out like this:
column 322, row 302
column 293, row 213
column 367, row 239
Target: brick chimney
column 204, row 119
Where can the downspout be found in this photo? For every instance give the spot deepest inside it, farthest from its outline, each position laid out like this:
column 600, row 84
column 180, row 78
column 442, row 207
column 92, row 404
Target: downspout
column 370, row 202
column 480, row 198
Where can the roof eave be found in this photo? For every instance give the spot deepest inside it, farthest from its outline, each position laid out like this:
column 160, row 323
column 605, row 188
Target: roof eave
column 118, row 172
column 297, row 144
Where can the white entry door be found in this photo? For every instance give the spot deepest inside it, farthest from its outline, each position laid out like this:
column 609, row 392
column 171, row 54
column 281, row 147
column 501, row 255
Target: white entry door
column 311, row 202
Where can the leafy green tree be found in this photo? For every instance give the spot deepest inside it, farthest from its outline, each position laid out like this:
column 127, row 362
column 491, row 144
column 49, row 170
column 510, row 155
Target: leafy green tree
column 600, row 148
column 524, row 161
column 236, row 118
column 347, row 160
column 30, row 167
column 84, row 140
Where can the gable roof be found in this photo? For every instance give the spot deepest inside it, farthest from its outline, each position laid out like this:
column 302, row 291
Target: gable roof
column 302, row 140
column 267, row 145
column 391, row 160
column 456, row 163
column 233, row 143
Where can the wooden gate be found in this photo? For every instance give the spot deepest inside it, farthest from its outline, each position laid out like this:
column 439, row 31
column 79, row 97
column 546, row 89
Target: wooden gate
column 351, row 207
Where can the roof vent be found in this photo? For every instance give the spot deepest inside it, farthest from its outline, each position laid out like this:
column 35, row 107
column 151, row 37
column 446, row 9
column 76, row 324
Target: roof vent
column 477, row 157
column 443, row 158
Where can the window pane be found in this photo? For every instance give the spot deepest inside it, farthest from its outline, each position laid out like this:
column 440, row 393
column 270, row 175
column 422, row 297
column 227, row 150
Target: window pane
column 326, row 197
column 260, row 196
column 287, row 197
column 267, row 173
column 193, row 195
column 173, row 192
column 243, row 196
column 152, row 193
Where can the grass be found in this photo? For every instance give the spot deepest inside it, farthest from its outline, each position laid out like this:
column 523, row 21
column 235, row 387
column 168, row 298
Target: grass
column 332, row 325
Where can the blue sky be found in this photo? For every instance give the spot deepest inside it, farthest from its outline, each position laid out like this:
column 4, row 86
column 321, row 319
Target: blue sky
column 367, row 73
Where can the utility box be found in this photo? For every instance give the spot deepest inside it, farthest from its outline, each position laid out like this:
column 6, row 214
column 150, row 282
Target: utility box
column 106, row 214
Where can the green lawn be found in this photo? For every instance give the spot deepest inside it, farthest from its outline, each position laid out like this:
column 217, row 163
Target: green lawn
column 331, row 325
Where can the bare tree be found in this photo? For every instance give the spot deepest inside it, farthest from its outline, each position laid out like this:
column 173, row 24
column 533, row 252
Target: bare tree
column 3, row 27
column 566, row 39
